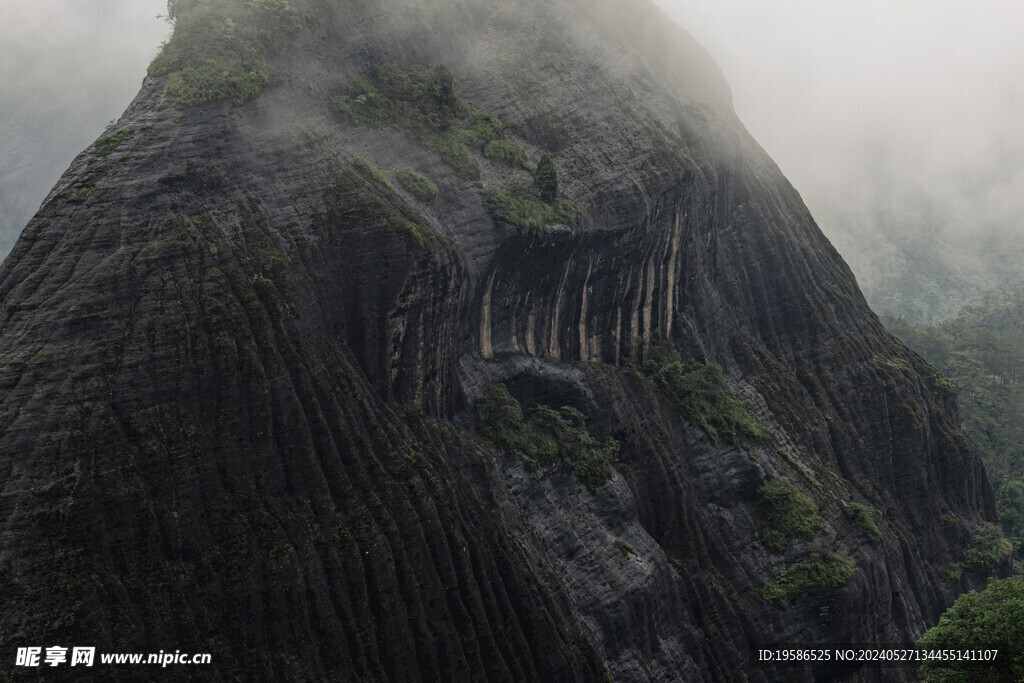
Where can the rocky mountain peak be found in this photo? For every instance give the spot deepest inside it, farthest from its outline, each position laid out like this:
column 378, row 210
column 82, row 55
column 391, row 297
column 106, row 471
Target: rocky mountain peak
column 457, row 340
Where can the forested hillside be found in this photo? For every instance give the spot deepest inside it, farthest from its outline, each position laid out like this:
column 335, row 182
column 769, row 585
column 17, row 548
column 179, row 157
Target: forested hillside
column 981, row 351
column 922, row 263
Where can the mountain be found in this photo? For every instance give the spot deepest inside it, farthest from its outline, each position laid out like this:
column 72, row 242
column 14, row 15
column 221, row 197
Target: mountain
column 453, row 340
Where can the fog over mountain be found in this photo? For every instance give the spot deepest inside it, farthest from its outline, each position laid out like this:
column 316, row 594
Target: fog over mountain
column 900, row 125
column 67, row 67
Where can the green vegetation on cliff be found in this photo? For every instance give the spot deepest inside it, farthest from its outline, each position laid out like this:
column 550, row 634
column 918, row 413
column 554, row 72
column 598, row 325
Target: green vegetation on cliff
column 987, row 551
column 546, row 435
column 372, row 173
column 423, row 103
column 219, row 48
column 417, row 185
column 863, row 517
column 417, row 99
column 817, row 573
column 365, row 192
column 546, row 179
column 108, row 142
column 519, row 204
column 787, row 513
column 699, row 392
column 507, row 152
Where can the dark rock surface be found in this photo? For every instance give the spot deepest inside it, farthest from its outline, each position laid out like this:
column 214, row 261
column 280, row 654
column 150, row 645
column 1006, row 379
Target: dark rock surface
column 237, row 381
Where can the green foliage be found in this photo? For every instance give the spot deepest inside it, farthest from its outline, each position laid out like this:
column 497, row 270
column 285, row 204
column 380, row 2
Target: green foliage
column 545, row 178
column 486, row 127
column 625, row 548
column 417, row 100
column 990, row 619
column 520, row 205
column 1011, row 511
column 501, row 416
column 944, row 387
column 419, row 186
column 818, row 573
column 592, row 462
column 219, row 48
column 776, row 541
column 699, row 392
column 363, row 193
column 863, row 517
column 800, row 469
column 981, row 354
column 423, row 103
column 988, row 551
column 107, row 143
column 451, row 147
column 546, row 435
column 787, row 512
column 929, row 269
column 176, row 8
column 506, row 152
column 368, row 108
column 372, row 173
column 648, row 357
column 566, row 212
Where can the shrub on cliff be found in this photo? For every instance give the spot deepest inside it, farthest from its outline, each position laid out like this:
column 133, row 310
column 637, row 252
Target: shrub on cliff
column 987, row 551
column 218, row 50
column 419, row 186
column 787, row 513
column 520, row 205
column 863, row 517
column 506, row 152
column 699, row 393
column 422, row 102
column 816, row 574
column 546, row 435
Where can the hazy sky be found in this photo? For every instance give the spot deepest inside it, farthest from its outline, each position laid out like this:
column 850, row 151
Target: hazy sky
column 925, row 88
column 67, row 67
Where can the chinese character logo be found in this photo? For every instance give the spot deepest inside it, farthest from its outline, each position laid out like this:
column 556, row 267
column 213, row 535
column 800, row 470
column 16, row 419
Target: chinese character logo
column 56, row 655
column 28, row 656
column 83, row 656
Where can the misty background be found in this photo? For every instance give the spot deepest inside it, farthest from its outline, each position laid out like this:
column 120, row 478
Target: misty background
column 899, row 122
column 67, row 68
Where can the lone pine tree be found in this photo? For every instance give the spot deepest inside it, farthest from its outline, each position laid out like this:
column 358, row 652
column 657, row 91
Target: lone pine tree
column 546, row 179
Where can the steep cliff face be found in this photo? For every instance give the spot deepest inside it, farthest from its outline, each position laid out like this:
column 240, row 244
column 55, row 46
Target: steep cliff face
column 240, row 362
